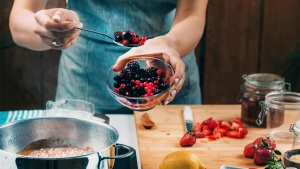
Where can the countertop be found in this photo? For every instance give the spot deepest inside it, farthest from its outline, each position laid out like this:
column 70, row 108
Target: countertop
column 169, row 127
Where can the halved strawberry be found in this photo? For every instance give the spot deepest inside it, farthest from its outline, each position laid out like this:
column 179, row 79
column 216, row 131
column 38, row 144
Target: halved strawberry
column 210, row 123
column 222, row 131
column 197, row 127
column 200, row 134
column 205, row 127
column 243, row 131
column 225, row 125
column 236, row 134
column 236, row 125
column 215, row 136
column 207, row 132
column 232, row 134
column 237, row 120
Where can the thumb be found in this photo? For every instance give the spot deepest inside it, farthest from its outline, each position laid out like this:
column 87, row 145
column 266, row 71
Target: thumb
column 125, row 58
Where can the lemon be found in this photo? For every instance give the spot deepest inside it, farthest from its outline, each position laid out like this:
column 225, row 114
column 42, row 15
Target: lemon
column 182, row 159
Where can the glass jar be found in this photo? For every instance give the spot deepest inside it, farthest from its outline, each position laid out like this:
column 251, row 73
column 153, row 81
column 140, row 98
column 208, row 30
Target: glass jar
column 295, row 128
column 280, row 110
column 254, row 90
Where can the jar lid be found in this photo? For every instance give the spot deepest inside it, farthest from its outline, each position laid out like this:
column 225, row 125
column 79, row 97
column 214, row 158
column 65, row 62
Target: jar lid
column 264, row 80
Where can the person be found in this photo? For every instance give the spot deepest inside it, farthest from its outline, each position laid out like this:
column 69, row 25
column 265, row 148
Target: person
column 173, row 29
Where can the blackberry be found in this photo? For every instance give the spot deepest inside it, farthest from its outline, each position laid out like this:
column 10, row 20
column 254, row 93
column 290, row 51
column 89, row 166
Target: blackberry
column 118, row 35
column 117, row 78
column 133, row 66
column 137, row 77
column 151, row 72
column 126, row 74
column 163, row 86
column 128, row 36
column 116, row 85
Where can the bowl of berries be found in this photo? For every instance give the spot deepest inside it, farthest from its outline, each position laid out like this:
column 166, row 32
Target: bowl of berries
column 142, row 84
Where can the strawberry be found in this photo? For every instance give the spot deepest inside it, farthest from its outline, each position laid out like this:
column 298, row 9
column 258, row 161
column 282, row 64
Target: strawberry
column 261, row 155
column 236, row 120
column 225, row 125
column 188, row 139
column 267, row 140
column 232, row 134
column 237, row 134
column 216, row 135
column 236, row 125
column 249, row 150
column 197, row 127
column 210, row 123
column 207, row 132
column 200, row 134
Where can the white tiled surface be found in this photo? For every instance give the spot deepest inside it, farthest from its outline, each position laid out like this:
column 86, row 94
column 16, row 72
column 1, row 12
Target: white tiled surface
column 125, row 125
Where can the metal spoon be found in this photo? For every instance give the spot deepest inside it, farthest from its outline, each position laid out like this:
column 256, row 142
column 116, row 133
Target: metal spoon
column 118, row 43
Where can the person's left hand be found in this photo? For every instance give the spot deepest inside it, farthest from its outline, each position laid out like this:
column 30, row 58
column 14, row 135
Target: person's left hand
column 157, row 47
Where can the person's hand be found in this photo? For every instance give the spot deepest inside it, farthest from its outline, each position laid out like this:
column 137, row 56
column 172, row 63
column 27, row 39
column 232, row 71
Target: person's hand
column 56, row 27
column 157, row 47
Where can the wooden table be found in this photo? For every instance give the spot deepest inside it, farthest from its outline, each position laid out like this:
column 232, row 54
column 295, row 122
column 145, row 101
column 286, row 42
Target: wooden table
column 164, row 138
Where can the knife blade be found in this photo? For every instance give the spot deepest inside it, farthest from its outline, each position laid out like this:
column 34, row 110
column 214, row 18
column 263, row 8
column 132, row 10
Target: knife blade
column 188, row 118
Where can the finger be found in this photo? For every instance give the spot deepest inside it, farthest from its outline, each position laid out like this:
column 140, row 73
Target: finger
column 173, row 91
column 67, row 39
column 57, row 35
column 50, row 42
column 50, row 25
column 42, row 31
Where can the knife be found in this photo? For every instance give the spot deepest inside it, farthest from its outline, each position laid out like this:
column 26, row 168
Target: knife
column 188, row 118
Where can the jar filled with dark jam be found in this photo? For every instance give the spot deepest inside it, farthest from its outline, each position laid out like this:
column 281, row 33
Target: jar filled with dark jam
column 254, row 90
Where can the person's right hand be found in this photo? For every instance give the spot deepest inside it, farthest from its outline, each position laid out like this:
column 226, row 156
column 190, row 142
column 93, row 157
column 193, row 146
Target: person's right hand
column 56, row 27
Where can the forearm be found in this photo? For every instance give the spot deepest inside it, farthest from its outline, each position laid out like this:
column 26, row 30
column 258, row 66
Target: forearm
column 187, row 28
column 22, row 25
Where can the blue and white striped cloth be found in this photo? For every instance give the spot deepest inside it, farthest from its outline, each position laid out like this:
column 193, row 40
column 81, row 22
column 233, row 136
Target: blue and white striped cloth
column 8, row 116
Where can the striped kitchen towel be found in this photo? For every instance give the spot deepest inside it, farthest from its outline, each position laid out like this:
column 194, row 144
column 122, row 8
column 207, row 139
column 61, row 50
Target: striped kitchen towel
column 8, row 116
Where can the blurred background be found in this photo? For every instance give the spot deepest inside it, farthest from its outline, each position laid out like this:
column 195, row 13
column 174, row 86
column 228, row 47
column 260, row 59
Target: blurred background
column 241, row 37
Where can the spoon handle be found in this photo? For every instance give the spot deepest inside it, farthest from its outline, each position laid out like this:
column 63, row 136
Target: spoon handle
column 95, row 32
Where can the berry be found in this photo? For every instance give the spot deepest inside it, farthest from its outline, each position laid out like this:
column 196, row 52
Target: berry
column 118, row 35
column 249, row 150
column 125, row 41
column 133, row 66
column 270, row 143
column 188, row 139
column 151, row 72
column 261, row 155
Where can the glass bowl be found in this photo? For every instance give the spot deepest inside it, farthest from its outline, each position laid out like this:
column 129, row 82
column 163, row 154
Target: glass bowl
column 128, row 86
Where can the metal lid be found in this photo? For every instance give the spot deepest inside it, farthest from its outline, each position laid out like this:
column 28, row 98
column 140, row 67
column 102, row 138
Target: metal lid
column 264, row 80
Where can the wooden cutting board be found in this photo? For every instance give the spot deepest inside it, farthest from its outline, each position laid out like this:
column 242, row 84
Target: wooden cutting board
column 169, row 127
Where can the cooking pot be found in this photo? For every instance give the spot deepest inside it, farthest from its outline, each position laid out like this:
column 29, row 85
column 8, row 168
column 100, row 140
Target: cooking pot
column 45, row 132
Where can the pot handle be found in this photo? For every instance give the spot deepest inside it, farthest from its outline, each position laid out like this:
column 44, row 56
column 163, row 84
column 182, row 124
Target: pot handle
column 129, row 153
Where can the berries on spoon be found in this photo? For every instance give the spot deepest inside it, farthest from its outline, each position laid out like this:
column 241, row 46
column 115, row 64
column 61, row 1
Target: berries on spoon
column 129, row 37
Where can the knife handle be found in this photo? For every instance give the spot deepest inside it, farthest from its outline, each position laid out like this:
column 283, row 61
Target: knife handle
column 187, row 113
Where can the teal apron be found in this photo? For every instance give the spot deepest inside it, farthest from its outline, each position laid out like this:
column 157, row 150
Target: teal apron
column 83, row 66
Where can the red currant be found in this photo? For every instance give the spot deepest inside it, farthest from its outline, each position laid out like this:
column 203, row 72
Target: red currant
column 143, row 39
column 122, row 85
column 125, row 41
